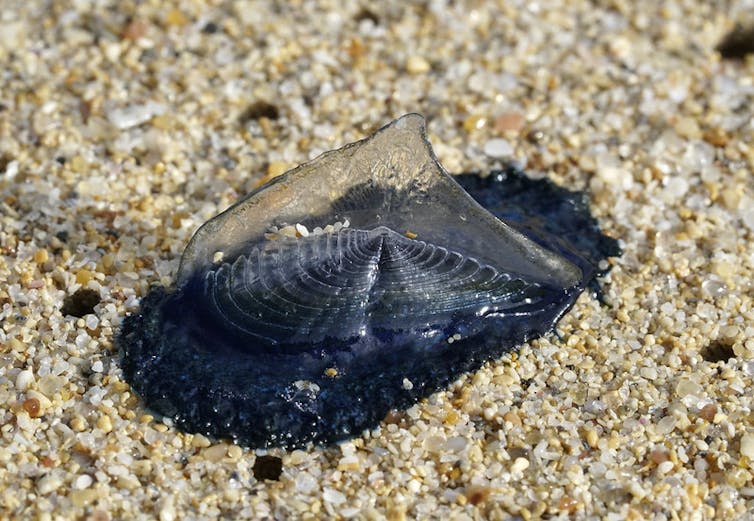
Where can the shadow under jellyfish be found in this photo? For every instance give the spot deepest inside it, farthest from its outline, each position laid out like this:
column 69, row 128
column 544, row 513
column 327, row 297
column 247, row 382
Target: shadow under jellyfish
column 356, row 283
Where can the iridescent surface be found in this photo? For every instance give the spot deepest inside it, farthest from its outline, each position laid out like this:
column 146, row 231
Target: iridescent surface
column 279, row 340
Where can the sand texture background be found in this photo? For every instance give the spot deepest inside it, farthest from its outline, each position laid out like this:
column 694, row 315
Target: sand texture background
column 124, row 126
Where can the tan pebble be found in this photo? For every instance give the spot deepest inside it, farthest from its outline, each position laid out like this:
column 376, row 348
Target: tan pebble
column 235, row 452
column 16, row 345
column 477, row 494
column 568, row 504
column 452, row 417
column 509, row 121
column 276, row 168
column 83, row 277
column 730, row 198
column 41, row 256
column 50, row 384
column 78, row 164
column 288, row 231
column 32, row 407
column 686, row 387
column 78, row 424
column 658, row 456
column 107, row 261
column 297, row 457
column 738, row 477
column 161, row 122
column 591, row 437
column 82, row 498
column 716, row 137
column 146, row 418
column 688, row 127
column 519, row 465
column 513, row 418
column 417, row 65
column 200, row 441
column 396, row 513
column 723, row 269
column 708, row 412
column 104, row 423
column 142, row 467
column 474, row 122
column 128, row 483
column 215, row 452
column 347, row 463
column 176, row 18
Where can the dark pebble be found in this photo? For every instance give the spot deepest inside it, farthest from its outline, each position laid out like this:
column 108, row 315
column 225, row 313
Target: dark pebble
column 210, row 28
column 80, row 303
column 268, row 467
column 737, row 43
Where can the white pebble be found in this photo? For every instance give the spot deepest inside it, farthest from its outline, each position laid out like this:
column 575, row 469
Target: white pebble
column 49, row 483
column 675, row 188
column 11, row 169
column 714, row 288
column 167, row 509
column 417, row 65
column 498, row 148
column 24, row 379
column 456, row 444
column 616, row 177
column 92, row 321
column 305, row 483
column 333, row 496
column 747, row 215
column 135, row 115
column 97, row 366
column 83, row 481
column 747, row 446
column 665, row 426
column 520, row 465
column 408, row 384
column 302, row 230
column 687, row 387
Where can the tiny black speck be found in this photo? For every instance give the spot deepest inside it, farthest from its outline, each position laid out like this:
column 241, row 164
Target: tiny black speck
column 257, row 110
column 210, row 28
column 268, row 467
column 80, row 303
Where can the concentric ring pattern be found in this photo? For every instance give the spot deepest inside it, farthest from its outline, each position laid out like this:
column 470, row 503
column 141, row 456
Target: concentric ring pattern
column 339, row 286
